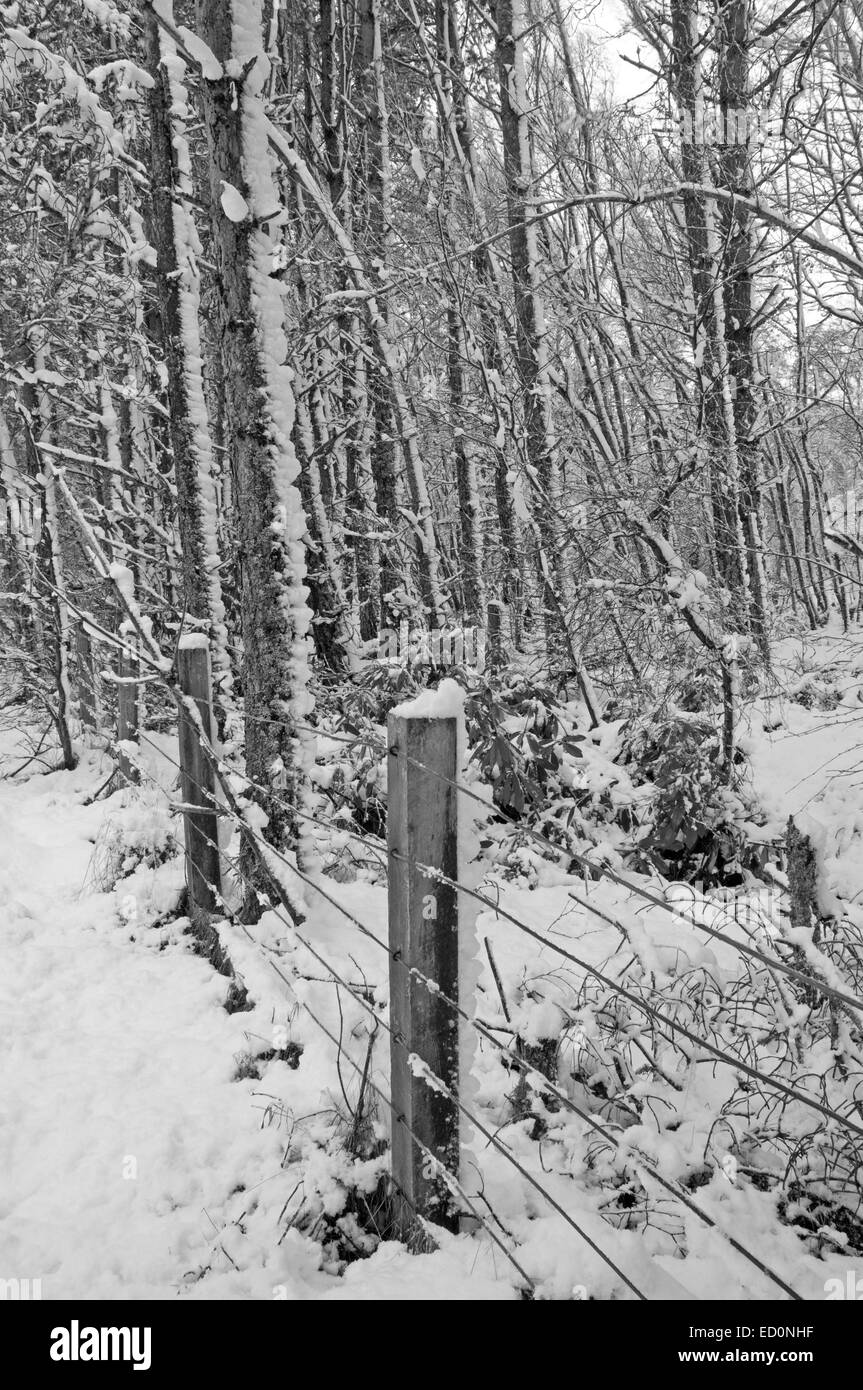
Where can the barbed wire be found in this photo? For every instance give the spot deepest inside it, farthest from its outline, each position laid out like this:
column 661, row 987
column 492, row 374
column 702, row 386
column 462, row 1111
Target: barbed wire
column 529, row 1072
column 605, row 870
column 434, row 1082
column 735, row 1062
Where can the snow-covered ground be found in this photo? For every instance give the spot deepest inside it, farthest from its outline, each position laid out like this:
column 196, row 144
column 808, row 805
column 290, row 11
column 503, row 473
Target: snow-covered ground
column 128, row 1153
column 154, row 1145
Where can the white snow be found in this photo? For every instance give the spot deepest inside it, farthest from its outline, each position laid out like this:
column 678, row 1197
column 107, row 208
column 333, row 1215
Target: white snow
column 445, row 702
column 234, row 205
column 211, row 68
column 133, row 1165
column 122, row 1057
column 108, row 16
column 124, row 579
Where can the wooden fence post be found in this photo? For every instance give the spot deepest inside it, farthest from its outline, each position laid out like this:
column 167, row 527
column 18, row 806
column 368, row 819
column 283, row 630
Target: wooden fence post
column 494, row 636
column 86, row 678
column 423, row 935
column 198, row 782
column 128, row 697
column 802, row 871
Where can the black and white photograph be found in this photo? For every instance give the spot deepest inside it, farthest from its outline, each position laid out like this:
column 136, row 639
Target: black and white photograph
column 431, row 672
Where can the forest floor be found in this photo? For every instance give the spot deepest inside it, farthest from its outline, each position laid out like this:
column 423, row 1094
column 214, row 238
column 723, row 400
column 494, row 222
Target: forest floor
column 155, row 1145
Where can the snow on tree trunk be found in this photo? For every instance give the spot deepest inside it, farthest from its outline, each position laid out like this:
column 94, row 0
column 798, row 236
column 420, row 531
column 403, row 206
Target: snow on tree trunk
column 735, row 172
column 51, row 543
column 177, row 246
column 259, row 419
column 375, row 183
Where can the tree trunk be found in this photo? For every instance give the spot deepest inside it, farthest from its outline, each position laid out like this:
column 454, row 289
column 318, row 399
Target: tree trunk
column 710, row 352
column 735, row 172
column 259, row 421
column 176, row 242
column 376, row 183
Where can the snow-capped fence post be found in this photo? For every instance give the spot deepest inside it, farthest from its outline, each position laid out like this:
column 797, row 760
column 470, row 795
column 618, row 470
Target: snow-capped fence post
column 128, row 695
column 86, row 679
column 422, row 831
column 198, row 782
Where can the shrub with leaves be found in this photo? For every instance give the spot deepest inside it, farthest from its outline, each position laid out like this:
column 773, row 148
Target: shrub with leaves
column 696, row 830
column 371, row 695
column 522, row 764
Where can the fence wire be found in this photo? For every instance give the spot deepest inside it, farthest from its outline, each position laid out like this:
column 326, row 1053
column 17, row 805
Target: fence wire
column 639, row 1162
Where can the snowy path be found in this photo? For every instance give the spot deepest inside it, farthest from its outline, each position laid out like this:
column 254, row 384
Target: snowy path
column 125, row 1146
column 117, row 1123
